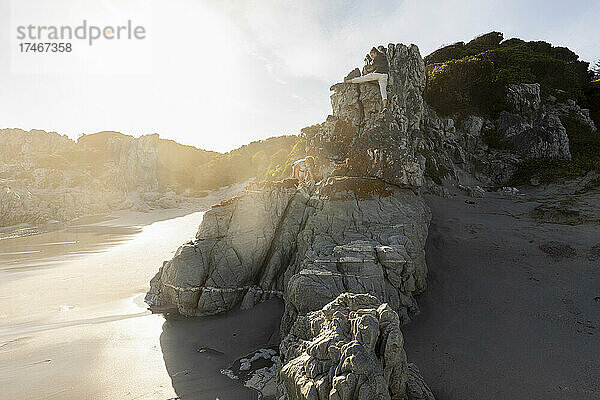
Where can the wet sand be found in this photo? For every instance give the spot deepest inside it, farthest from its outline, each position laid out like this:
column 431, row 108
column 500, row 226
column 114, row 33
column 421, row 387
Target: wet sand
column 501, row 319
column 73, row 324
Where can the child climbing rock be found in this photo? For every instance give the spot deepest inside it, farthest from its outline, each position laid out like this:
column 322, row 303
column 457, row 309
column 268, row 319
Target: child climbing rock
column 304, row 169
column 377, row 70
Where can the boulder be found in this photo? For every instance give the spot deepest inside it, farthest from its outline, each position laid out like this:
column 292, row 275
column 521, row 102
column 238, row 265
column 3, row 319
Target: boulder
column 532, row 130
column 358, row 235
column 307, row 244
column 352, row 348
column 524, row 97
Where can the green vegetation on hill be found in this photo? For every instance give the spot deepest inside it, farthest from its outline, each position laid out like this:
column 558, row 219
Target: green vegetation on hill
column 176, row 163
column 283, row 169
column 249, row 161
column 183, row 167
column 471, row 78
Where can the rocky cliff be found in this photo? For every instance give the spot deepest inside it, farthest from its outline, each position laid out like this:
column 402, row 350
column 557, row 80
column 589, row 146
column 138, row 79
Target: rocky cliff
column 411, row 145
column 361, row 230
column 347, row 254
column 46, row 176
column 508, row 111
column 377, row 144
column 348, row 234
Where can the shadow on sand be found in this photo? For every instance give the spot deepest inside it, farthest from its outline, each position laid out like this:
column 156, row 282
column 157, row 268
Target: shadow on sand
column 195, row 350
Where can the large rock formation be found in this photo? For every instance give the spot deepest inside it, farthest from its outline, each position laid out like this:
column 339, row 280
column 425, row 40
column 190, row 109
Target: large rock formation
column 483, row 151
column 45, row 176
column 348, row 234
column 410, row 145
column 532, row 130
column 360, row 230
column 358, row 235
column 350, row 349
column 377, row 144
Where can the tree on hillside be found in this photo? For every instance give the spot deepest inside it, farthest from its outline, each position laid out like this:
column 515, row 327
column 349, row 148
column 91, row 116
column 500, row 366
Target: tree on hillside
column 596, row 70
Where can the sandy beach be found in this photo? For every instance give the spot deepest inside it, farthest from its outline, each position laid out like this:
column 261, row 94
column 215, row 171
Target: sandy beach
column 73, row 324
column 512, row 309
column 501, row 318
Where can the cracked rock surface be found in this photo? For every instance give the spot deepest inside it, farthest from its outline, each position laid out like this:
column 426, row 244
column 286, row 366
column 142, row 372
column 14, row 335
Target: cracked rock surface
column 309, row 245
column 350, row 349
column 356, row 236
column 378, row 144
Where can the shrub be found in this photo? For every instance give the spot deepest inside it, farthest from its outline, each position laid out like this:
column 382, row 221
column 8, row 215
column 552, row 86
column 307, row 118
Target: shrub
column 249, row 161
column 592, row 95
column 471, row 78
column 284, row 170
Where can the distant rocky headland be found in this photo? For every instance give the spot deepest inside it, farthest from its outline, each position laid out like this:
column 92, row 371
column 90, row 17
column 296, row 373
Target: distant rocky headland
column 45, row 176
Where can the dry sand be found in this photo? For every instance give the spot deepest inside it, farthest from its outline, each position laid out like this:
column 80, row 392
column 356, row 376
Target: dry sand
column 502, row 319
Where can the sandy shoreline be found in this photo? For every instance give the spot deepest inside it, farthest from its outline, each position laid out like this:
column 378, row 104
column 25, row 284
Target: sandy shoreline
column 507, row 313
column 73, row 324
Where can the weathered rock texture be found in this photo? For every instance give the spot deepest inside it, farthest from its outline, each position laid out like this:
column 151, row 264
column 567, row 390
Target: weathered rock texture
column 377, row 144
column 532, row 130
column 45, row 176
column 482, row 151
column 360, row 230
column 349, row 234
column 410, row 145
column 352, row 348
column 358, row 235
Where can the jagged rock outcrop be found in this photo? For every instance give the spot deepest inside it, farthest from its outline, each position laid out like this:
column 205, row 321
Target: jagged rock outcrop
column 482, row 151
column 349, row 234
column 46, row 176
column 358, row 234
column 38, row 183
column 104, row 171
column 360, row 230
column 570, row 109
column 532, row 130
column 352, row 348
column 136, row 159
column 377, row 144
column 410, row 145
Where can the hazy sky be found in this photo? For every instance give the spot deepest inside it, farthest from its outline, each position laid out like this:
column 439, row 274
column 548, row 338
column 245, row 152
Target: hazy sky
column 218, row 74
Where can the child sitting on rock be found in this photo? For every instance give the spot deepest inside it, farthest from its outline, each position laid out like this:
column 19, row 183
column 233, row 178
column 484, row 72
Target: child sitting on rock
column 377, row 70
column 304, row 169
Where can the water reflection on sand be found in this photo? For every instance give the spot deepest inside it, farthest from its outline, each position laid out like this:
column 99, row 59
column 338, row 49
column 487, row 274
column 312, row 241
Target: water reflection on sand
column 20, row 250
column 72, row 320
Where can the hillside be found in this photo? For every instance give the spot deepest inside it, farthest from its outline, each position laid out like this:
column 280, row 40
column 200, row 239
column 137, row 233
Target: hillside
column 465, row 79
column 46, row 176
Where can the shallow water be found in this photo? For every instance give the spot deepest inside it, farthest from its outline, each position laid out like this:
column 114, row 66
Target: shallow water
column 72, row 320
column 73, row 324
